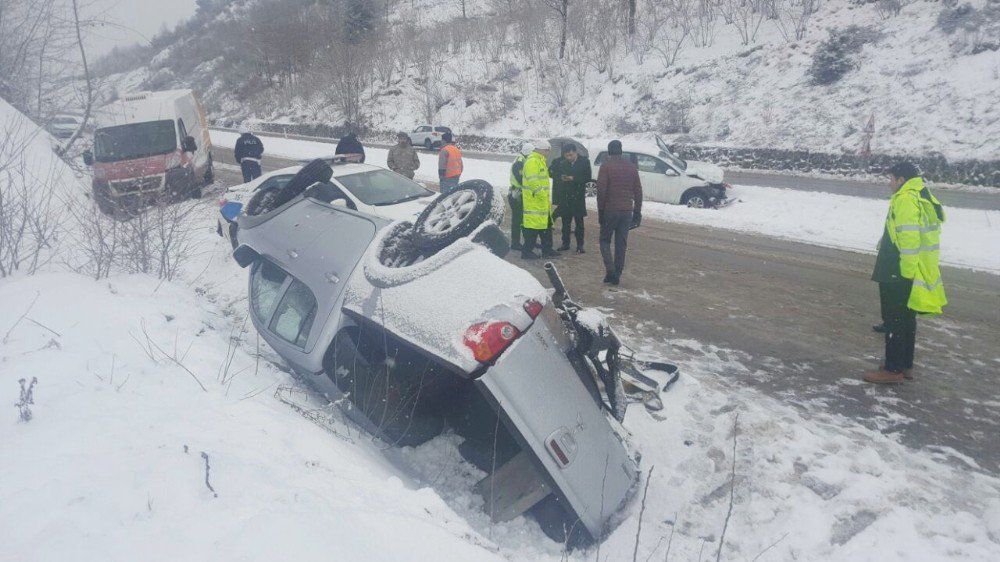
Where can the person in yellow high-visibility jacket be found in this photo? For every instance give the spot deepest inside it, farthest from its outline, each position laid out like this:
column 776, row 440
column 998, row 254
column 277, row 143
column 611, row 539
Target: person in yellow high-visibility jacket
column 907, row 270
column 536, row 202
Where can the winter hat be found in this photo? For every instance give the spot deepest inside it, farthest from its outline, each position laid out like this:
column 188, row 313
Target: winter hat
column 527, row 148
column 615, row 147
column 244, row 129
column 905, row 170
column 542, row 144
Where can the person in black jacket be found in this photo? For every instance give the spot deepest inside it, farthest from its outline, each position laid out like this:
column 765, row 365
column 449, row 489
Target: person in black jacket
column 349, row 144
column 570, row 174
column 248, row 153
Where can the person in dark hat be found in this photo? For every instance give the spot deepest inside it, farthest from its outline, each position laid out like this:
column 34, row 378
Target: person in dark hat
column 619, row 208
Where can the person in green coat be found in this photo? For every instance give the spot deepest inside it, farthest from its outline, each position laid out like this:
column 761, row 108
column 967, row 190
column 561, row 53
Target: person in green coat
column 907, row 270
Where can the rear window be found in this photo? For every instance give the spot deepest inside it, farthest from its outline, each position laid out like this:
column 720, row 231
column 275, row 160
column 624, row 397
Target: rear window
column 265, row 284
column 294, row 316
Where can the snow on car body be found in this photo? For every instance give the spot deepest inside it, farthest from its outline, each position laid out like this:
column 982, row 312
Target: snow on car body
column 364, row 188
column 459, row 338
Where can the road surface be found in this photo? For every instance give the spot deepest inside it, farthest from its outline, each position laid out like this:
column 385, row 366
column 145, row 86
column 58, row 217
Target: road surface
column 858, row 188
column 798, row 318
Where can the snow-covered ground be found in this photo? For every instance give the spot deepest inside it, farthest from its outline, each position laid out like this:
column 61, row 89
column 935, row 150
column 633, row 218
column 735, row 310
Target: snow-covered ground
column 138, row 377
column 823, row 219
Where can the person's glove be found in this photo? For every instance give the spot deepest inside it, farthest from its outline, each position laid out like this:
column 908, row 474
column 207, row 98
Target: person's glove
column 636, row 219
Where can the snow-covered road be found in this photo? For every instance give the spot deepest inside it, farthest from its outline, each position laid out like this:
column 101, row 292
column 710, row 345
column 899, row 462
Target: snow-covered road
column 823, row 219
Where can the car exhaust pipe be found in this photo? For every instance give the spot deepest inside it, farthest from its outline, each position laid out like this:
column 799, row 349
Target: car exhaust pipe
column 557, row 284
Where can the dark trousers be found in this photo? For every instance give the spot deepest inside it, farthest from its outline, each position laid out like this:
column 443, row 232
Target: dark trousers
column 516, row 214
column 567, row 227
column 251, row 170
column 616, row 224
column 531, row 235
column 900, row 324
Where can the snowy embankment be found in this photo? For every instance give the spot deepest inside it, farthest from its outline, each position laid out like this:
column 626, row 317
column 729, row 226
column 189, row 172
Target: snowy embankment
column 138, row 377
column 823, row 219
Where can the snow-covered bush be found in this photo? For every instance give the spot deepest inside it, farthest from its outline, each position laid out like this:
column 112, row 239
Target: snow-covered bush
column 972, row 30
column 838, row 55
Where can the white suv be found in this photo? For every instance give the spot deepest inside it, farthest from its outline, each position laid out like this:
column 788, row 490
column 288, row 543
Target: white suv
column 429, row 136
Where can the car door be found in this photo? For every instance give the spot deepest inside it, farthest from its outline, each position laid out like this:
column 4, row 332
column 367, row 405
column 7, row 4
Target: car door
column 551, row 412
column 660, row 182
column 420, row 134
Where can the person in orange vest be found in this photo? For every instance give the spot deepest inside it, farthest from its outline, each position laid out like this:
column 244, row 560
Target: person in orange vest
column 449, row 164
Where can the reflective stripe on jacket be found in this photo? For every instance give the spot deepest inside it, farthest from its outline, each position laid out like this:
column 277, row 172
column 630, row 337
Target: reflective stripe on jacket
column 453, row 161
column 535, row 193
column 914, row 226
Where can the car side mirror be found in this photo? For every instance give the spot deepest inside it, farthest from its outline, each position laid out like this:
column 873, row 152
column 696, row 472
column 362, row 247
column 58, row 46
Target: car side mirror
column 340, row 202
column 88, row 157
column 245, row 255
column 189, row 145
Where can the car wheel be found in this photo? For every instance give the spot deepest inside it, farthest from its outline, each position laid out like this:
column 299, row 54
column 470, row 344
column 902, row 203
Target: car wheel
column 696, row 199
column 556, row 522
column 590, row 189
column 453, row 216
column 313, row 172
column 427, row 144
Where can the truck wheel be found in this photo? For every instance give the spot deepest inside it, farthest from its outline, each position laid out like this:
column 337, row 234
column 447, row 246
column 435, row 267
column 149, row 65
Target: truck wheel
column 314, row 172
column 105, row 203
column 210, row 172
column 695, row 198
column 453, row 216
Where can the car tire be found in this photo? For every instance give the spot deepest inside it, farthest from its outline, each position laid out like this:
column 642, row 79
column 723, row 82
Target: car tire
column 454, row 216
column 427, row 144
column 695, row 198
column 314, row 172
column 590, row 189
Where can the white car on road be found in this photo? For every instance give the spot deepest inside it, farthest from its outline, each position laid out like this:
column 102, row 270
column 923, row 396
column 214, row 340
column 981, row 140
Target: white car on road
column 364, row 188
column 429, row 136
column 667, row 178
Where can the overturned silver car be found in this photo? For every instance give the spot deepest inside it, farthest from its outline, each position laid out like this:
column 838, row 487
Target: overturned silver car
column 421, row 328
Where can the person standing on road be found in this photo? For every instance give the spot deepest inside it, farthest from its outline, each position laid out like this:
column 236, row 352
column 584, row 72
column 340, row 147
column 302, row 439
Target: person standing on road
column 248, row 152
column 536, row 200
column 349, row 144
column 907, row 270
column 514, row 197
column 449, row 164
column 570, row 175
column 619, row 208
column 403, row 158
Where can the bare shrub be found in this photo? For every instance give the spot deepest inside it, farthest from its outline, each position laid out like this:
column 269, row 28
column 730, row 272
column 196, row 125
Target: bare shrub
column 30, row 217
column 27, row 399
column 794, row 15
column 156, row 240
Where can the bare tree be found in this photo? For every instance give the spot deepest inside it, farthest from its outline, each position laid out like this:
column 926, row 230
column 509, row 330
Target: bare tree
column 89, row 89
column 561, row 7
column 793, row 17
column 746, row 16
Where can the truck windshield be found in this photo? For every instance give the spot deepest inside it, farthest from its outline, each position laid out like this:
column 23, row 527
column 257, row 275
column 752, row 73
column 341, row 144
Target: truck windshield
column 136, row 140
column 382, row 187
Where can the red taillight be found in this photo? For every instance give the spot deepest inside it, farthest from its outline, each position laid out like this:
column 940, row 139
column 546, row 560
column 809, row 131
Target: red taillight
column 222, row 202
column 488, row 339
column 435, row 134
column 557, row 450
column 533, row 308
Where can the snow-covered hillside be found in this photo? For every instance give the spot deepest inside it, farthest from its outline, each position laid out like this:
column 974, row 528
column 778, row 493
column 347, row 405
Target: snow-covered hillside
column 929, row 75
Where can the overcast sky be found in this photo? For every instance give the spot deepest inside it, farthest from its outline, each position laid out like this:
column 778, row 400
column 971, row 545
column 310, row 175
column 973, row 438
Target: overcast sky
column 143, row 18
